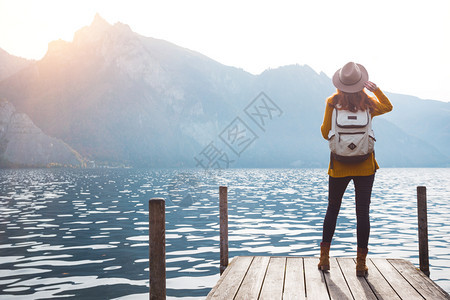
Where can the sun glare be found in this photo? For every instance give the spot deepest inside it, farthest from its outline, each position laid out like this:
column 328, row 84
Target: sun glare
column 28, row 26
column 256, row 35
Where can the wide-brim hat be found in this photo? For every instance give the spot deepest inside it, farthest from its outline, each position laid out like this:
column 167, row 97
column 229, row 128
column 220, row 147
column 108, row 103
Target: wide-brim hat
column 350, row 78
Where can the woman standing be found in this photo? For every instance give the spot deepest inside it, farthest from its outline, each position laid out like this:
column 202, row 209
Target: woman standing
column 350, row 81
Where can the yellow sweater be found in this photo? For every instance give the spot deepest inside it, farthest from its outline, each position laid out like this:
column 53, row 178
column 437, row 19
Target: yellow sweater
column 370, row 165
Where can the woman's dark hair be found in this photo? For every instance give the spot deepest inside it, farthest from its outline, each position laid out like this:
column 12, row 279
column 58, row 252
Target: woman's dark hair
column 353, row 101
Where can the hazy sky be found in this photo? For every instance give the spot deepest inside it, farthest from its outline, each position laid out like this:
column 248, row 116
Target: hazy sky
column 405, row 45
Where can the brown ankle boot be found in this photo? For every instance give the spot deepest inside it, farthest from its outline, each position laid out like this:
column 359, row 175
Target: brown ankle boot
column 361, row 268
column 324, row 262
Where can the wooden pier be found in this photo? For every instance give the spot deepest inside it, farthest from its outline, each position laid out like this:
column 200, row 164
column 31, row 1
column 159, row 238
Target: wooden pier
column 265, row 277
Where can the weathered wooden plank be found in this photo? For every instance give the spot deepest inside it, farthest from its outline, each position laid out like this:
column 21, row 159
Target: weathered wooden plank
column 272, row 288
column 337, row 286
column 296, row 277
column 359, row 287
column 228, row 286
column 424, row 285
column 378, row 283
column 314, row 280
column 221, row 278
column 395, row 279
column 294, row 280
column 253, row 280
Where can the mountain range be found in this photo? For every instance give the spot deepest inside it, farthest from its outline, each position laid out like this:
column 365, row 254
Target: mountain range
column 121, row 99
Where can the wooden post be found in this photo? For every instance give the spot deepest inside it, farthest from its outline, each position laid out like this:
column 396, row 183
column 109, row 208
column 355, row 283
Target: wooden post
column 223, row 205
column 157, row 242
column 423, row 229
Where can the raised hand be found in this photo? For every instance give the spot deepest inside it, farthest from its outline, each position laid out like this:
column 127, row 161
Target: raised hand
column 370, row 86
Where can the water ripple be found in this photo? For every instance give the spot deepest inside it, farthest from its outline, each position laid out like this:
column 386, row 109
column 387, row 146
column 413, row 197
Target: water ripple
column 84, row 233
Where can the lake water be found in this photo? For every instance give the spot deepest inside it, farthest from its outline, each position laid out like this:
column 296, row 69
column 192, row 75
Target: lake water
column 84, row 233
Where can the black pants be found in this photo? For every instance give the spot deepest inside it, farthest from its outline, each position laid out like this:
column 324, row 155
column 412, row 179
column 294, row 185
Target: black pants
column 363, row 191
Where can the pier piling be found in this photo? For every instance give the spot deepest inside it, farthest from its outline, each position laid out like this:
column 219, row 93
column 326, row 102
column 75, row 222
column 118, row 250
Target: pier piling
column 223, row 207
column 423, row 229
column 157, row 245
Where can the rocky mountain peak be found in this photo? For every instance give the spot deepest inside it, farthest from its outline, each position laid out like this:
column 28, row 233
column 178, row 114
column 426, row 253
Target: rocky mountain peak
column 99, row 40
column 99, row 21
column 93, row 32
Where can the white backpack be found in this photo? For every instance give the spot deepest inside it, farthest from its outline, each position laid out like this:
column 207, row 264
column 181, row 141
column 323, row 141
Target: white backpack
column 351, row 138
